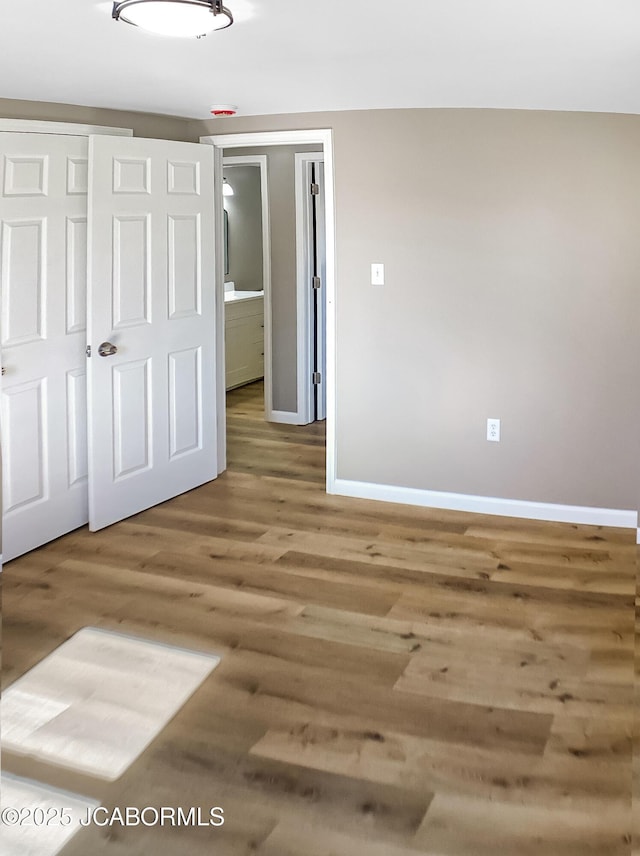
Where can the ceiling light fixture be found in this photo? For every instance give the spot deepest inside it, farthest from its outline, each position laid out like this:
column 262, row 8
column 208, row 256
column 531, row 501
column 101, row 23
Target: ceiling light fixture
column 185, row 18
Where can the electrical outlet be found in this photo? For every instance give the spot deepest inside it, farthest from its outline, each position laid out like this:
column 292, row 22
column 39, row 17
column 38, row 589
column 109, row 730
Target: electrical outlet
column 493, row 430
column 377, row 274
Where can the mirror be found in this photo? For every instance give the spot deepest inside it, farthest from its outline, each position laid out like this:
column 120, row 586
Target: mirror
column 226, row 243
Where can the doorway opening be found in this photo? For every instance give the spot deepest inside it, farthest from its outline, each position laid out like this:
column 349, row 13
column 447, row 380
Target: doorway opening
column 292, row 171
column 247, row 273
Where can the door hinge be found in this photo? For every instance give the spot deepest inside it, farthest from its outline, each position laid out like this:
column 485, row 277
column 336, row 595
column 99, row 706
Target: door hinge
column 315, row 282
column 317, row 378
column 315, row 189
column 88, row 350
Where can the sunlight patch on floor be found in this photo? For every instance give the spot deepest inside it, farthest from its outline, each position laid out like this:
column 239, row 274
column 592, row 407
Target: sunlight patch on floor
column 46, row 818
column 96, row 702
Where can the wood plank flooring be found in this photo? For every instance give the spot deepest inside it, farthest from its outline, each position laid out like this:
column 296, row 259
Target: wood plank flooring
column 394, row 681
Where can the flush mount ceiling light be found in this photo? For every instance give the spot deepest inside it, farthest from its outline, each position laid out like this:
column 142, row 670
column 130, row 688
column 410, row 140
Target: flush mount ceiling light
column 185, row 18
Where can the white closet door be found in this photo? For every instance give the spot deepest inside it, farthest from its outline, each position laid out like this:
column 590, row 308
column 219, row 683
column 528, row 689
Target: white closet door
column 43, row 232
column 151, row 294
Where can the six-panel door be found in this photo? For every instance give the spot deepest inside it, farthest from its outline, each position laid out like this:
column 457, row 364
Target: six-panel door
column 151, row 295
column 43, row 252
column 152, row 426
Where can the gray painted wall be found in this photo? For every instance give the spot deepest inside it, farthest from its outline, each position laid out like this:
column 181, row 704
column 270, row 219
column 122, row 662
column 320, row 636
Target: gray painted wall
column 143, row 124
column 244, row 210
column 512, row 265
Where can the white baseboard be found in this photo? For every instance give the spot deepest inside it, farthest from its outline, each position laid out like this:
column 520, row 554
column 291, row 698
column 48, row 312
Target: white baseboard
column 487, row 504
column 638, row 536
column 285, row 417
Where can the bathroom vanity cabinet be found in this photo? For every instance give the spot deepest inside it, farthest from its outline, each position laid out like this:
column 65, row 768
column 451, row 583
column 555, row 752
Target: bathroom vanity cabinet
column 244, row 337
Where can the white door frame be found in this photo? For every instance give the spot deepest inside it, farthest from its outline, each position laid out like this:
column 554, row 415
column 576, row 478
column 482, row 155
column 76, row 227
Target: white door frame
column 261, row 162
column 33, row 126
column 304, row 294
column 320, row 137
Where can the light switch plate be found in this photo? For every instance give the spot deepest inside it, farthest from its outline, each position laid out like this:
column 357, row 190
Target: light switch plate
column 377, row 274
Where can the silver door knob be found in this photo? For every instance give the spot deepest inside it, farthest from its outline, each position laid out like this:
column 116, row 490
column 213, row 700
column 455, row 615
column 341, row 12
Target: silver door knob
column 106, row 349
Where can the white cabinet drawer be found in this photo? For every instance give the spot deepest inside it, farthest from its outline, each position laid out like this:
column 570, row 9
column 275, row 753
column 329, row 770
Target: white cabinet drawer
column 244, row 342
column 244, row 308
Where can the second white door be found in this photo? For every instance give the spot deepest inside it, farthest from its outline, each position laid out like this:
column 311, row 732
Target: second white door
column 151, row 295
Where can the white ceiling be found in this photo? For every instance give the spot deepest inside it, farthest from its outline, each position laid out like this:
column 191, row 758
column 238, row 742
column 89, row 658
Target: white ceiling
column 285, row 56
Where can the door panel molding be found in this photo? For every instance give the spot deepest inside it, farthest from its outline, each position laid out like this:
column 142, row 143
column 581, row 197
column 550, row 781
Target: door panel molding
column 131, row 385
column 77, row 425
column 25, row 432
column 23, row 279
column 76, row 274
column 185, row 265
column 131, row 270
column 185, row 382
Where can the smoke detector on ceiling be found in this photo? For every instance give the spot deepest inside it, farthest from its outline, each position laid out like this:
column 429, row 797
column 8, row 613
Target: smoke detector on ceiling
column 220, row 110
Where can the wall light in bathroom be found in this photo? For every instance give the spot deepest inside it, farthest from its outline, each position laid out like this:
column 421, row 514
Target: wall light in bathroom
column 227, row 190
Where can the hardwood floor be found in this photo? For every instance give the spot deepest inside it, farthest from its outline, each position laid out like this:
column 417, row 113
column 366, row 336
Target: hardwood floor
column 394, row 681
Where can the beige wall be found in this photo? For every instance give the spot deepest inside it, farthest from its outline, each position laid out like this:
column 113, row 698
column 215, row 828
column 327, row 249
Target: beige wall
column 143, row 124
column 512, row 267
column 244, row 210
column 512, row 264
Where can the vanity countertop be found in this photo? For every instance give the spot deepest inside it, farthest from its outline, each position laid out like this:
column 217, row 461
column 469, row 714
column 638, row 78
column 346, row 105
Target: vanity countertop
column 235, row 296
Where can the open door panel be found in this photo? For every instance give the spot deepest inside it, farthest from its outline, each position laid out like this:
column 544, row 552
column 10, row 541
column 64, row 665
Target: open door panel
column 151, row 325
